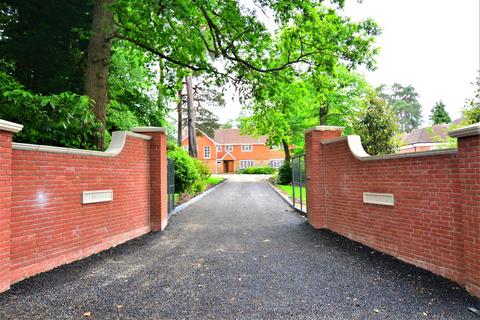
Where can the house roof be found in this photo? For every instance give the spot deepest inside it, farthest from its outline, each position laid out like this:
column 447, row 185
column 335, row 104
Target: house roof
column 233, row 136
column 436, row 133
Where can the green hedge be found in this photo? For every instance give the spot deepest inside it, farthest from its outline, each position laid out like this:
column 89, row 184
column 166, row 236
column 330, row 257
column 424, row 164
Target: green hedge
column 191, row 174
column 257, row 170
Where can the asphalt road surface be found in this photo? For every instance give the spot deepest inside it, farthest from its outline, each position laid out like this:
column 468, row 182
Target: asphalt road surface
column 238, row 253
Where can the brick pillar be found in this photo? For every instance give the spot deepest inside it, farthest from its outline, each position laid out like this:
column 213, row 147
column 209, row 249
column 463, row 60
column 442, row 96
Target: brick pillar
column 6, row 131
column 469, row 173
column 158, row 176
column 316, row 212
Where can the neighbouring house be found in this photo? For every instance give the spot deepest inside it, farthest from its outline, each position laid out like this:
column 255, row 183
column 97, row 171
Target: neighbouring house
column 229, row 151
column 426, row 139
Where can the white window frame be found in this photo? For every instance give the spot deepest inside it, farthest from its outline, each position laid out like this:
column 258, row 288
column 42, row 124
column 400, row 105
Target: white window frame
column 247, row 148
column 219, row 162
column 244, row 164
column 278, row 163
column 205, row 149
column 229, row 148
column 219, row 148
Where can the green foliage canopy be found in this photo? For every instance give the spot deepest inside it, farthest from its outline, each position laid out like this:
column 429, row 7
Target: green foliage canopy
column 46, row 40
column 63, row 119
column 319, row 90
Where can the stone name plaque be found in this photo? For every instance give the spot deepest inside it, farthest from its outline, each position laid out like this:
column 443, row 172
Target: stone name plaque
column 97, row 196
column 385, row 199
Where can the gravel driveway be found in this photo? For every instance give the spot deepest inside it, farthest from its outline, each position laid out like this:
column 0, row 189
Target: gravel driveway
column 238, row 253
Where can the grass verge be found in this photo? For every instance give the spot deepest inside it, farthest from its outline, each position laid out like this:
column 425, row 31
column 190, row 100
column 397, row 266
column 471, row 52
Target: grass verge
column 214, row 180
column 288, row 189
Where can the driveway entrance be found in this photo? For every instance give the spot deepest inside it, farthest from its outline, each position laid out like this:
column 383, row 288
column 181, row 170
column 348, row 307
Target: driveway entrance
column 238, row 253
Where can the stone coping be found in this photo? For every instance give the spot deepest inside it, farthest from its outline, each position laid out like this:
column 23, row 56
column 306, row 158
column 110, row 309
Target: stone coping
column 325, row 128
column 471, row 130
column 10, row 126
column 116, row 146
column 148, row 129
column 356, row 148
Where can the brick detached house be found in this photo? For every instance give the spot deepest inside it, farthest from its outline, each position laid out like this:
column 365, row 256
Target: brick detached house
column 426, row 139
column 229, row 151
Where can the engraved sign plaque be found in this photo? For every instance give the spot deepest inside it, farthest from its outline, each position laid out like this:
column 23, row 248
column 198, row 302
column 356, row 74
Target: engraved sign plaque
column 385, row 199
column 97, row 196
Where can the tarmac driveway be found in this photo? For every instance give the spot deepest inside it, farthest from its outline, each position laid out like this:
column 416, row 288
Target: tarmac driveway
column 238, row 253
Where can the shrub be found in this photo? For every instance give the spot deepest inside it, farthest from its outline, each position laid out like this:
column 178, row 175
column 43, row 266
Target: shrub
column 185, row 169
column 191, row 174
column 285, row 173
column 377, row 125
column 257, row 170
column 203, row 174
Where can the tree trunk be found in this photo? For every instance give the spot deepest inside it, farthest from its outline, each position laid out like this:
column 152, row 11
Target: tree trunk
column 96, row 73
column 287, row 150
column 180, row 118
column 322, row 115
column 192, row 138
column 160, row 88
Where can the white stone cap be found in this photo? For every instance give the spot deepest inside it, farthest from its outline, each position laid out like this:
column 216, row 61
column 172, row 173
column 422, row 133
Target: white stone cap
column 471, row 130
column 116, row 146
column 148, row 129
column 10, row 126
column 355, row 145
column 325, row 128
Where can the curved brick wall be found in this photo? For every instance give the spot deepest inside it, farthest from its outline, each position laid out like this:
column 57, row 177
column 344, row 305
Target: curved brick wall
column 434, row 223
column 47, row 225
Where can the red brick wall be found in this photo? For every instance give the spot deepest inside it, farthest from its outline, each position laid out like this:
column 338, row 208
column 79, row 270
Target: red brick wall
column 434, row 223
column 469, row 177
column 5, row 192
column 158, row 181
column 46, row 225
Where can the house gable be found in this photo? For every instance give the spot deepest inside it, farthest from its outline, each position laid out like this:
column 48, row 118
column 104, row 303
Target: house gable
column 228, row 156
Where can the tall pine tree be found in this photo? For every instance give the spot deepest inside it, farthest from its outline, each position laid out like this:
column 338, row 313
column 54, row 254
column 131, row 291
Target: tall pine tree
column 439, row 114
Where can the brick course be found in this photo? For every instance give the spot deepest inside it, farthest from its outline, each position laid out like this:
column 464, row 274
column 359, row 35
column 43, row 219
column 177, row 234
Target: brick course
column 434, row 223
column 44, row 223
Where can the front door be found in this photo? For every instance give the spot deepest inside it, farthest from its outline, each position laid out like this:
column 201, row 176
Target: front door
column 228, row 166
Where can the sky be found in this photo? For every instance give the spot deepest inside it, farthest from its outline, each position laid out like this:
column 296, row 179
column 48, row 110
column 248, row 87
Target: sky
column 433, row 45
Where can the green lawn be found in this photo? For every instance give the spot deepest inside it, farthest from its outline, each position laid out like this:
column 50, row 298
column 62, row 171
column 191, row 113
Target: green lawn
column 289, row 191
column 214, row 180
